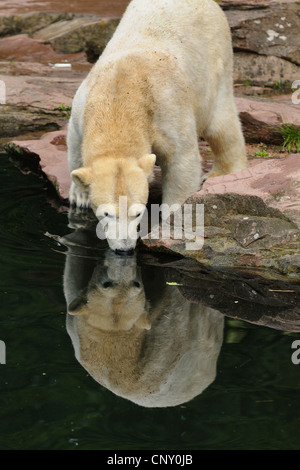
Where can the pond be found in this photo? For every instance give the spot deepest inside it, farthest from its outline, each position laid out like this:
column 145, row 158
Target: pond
column 178, row 359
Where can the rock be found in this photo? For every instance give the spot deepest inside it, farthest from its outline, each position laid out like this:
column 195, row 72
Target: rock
column 105, row 8
column 260, row 69
column 36, row 103
column 47, row 156
column 16, row 68
column 88, row 33
column 13, row 68
column 252, row 220
column 60, row 28
column 250, row 4
column 40, row 92
column 261, row 119
column 272, row 303
column 30, row 22
column 24, row 49
column 265, row 38
column 266, row 28
column 17, row 120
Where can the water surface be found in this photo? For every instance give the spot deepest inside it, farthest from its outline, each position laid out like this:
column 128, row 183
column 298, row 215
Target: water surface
column 231, row 383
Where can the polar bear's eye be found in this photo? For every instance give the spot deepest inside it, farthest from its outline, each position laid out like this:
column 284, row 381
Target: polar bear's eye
column 106, row 210
column 136, row 210
column 136, row 284
column 107, row 284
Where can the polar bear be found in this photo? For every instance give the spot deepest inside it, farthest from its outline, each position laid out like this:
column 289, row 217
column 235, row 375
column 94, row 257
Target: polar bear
column 164, row 80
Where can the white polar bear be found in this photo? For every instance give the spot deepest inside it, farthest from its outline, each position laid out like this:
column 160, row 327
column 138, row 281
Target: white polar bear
column 164, row 80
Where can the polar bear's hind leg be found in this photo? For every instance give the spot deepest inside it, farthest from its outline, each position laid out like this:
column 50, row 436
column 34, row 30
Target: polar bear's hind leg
column 225, row 137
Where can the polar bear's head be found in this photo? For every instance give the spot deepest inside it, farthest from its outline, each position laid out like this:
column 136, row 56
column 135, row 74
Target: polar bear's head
column 109, row 181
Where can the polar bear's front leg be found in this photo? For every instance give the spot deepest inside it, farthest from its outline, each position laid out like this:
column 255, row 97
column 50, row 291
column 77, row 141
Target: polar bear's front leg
column 78, row 197
column 80, row 214
column 181, row 177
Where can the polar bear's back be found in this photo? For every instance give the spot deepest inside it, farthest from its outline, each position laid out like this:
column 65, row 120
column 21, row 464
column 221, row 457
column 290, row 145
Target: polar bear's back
column 193, row 34
column 171, row 24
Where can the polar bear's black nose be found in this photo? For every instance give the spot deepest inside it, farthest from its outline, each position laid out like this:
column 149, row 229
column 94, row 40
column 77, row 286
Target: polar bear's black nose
column 125, row 252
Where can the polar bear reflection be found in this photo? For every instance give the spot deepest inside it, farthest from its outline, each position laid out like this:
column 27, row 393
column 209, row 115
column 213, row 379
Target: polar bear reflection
column 156, row 354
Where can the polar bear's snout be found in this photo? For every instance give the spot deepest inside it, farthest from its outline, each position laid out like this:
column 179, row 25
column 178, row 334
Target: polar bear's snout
column 119, row 226
column 125, row 252
column 122, row 246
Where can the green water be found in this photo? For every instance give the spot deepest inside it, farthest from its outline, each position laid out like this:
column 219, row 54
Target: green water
column 49, row 401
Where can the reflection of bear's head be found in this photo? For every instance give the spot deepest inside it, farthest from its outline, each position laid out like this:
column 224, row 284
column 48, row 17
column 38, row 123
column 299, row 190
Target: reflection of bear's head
column 115, row 298
column 156, row 354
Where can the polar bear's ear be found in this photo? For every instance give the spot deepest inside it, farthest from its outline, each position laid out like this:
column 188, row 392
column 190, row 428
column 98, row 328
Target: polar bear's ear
column 143, row 322
column 82, row 177
column 147, row 163
column 77, row 306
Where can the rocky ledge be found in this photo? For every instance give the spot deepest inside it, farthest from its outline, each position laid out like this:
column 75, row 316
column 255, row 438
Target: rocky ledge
column 251, row 220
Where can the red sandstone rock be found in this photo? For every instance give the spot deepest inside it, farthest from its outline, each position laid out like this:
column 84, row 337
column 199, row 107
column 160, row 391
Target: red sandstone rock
column 39, row 101
column 25, row 49
column 261, row 118
column 52, row 152
column 39, row 92
column 100, row 7
column 275, row 182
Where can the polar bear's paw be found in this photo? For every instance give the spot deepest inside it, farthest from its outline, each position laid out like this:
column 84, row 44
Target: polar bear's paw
column 211, row 174
column 78, row 197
